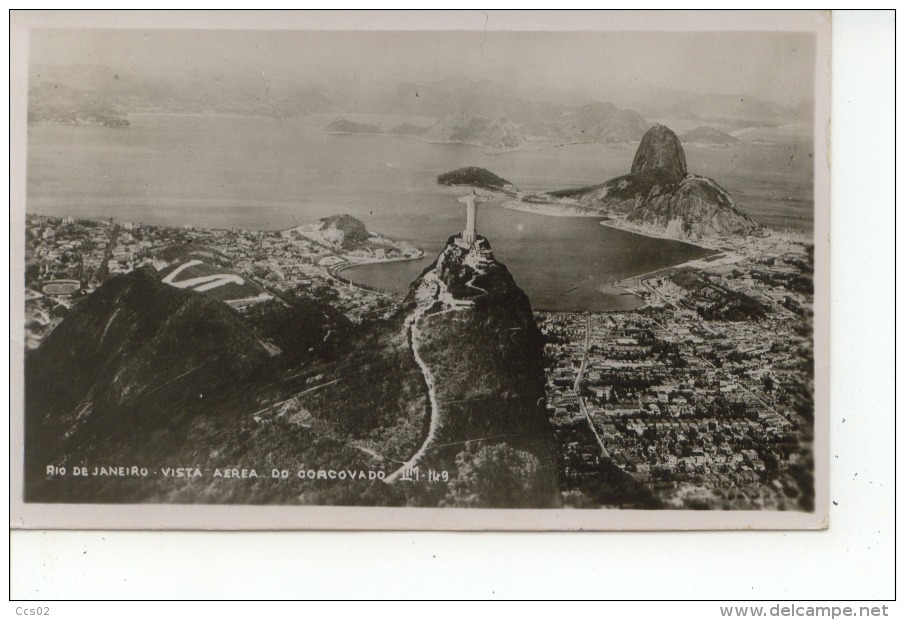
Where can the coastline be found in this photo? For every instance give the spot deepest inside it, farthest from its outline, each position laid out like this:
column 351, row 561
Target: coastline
column 618, row 224
column 371, row 261
column 390, row 134
column 627, row 285
column 333, row 132
column 474, row 144
column 544, row 208
column 552, row 209
column 334, row 272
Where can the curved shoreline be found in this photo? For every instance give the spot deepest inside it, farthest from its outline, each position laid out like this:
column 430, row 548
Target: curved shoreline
column 563, row 210
column 334, row 270
column 614, row 224
column 552, row 209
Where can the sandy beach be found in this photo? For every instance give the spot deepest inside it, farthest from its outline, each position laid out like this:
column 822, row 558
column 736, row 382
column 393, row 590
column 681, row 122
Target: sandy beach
column 551, row 209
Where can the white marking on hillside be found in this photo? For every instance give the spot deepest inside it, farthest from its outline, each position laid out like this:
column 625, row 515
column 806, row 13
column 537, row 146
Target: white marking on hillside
column 109, row 323
column 172, row 275
column 201, row 283
column 246, row 301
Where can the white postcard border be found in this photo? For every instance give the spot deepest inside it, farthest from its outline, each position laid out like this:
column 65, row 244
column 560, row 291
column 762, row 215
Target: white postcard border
column 232, row 517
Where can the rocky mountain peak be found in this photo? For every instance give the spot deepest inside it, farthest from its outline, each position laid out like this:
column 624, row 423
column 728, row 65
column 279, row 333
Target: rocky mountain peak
column 659, row 196
column 463, row 275
column 342, row 231
column 660, row 149
column 473, row 330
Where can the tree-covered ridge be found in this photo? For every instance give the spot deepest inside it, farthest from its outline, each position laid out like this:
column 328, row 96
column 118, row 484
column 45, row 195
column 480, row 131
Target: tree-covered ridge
column 476, row 177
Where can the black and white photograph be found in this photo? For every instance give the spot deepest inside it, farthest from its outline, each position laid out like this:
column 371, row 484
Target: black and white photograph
column 455, row 279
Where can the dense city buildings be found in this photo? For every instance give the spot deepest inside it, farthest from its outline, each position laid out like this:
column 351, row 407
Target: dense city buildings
column 269, row 264
column 703, row 399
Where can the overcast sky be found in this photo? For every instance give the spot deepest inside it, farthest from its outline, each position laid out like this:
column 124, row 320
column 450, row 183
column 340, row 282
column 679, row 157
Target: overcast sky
column 773, row 66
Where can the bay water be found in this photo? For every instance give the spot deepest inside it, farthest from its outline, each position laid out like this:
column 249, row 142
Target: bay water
column 263, row 174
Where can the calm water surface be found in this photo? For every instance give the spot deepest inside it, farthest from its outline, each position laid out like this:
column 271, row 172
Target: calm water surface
column 259, row 173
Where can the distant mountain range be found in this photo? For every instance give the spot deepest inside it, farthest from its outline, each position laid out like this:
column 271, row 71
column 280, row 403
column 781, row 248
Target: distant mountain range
column 532, row 108
column 344, row 125
column 54, row 102
column 498, row 134
column 600, row 122
column 76, row 93
column 708, row 136
column 737, row 110
column 480, row 112
column 437, row 98
column 596, row 122
column 541, row 112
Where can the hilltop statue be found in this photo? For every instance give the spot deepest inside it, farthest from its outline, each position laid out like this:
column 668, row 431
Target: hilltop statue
column 471, row 202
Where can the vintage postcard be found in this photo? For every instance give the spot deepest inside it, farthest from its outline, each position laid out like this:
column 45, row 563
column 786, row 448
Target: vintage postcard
column 467, row 270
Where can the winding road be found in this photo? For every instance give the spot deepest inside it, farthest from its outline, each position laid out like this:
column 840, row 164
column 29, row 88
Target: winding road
column 411, row 326
column 414, row 334
column 577, row 387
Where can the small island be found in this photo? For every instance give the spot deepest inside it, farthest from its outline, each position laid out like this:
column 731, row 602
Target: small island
column 708, row 136
column 344, row 125
column 477, row 177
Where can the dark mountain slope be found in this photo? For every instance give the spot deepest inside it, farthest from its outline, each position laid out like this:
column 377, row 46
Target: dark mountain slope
column 478, row 337
column 143, row 374
column 477, row 177
column 135, row 356
column 660, row 150
column 134, row 338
